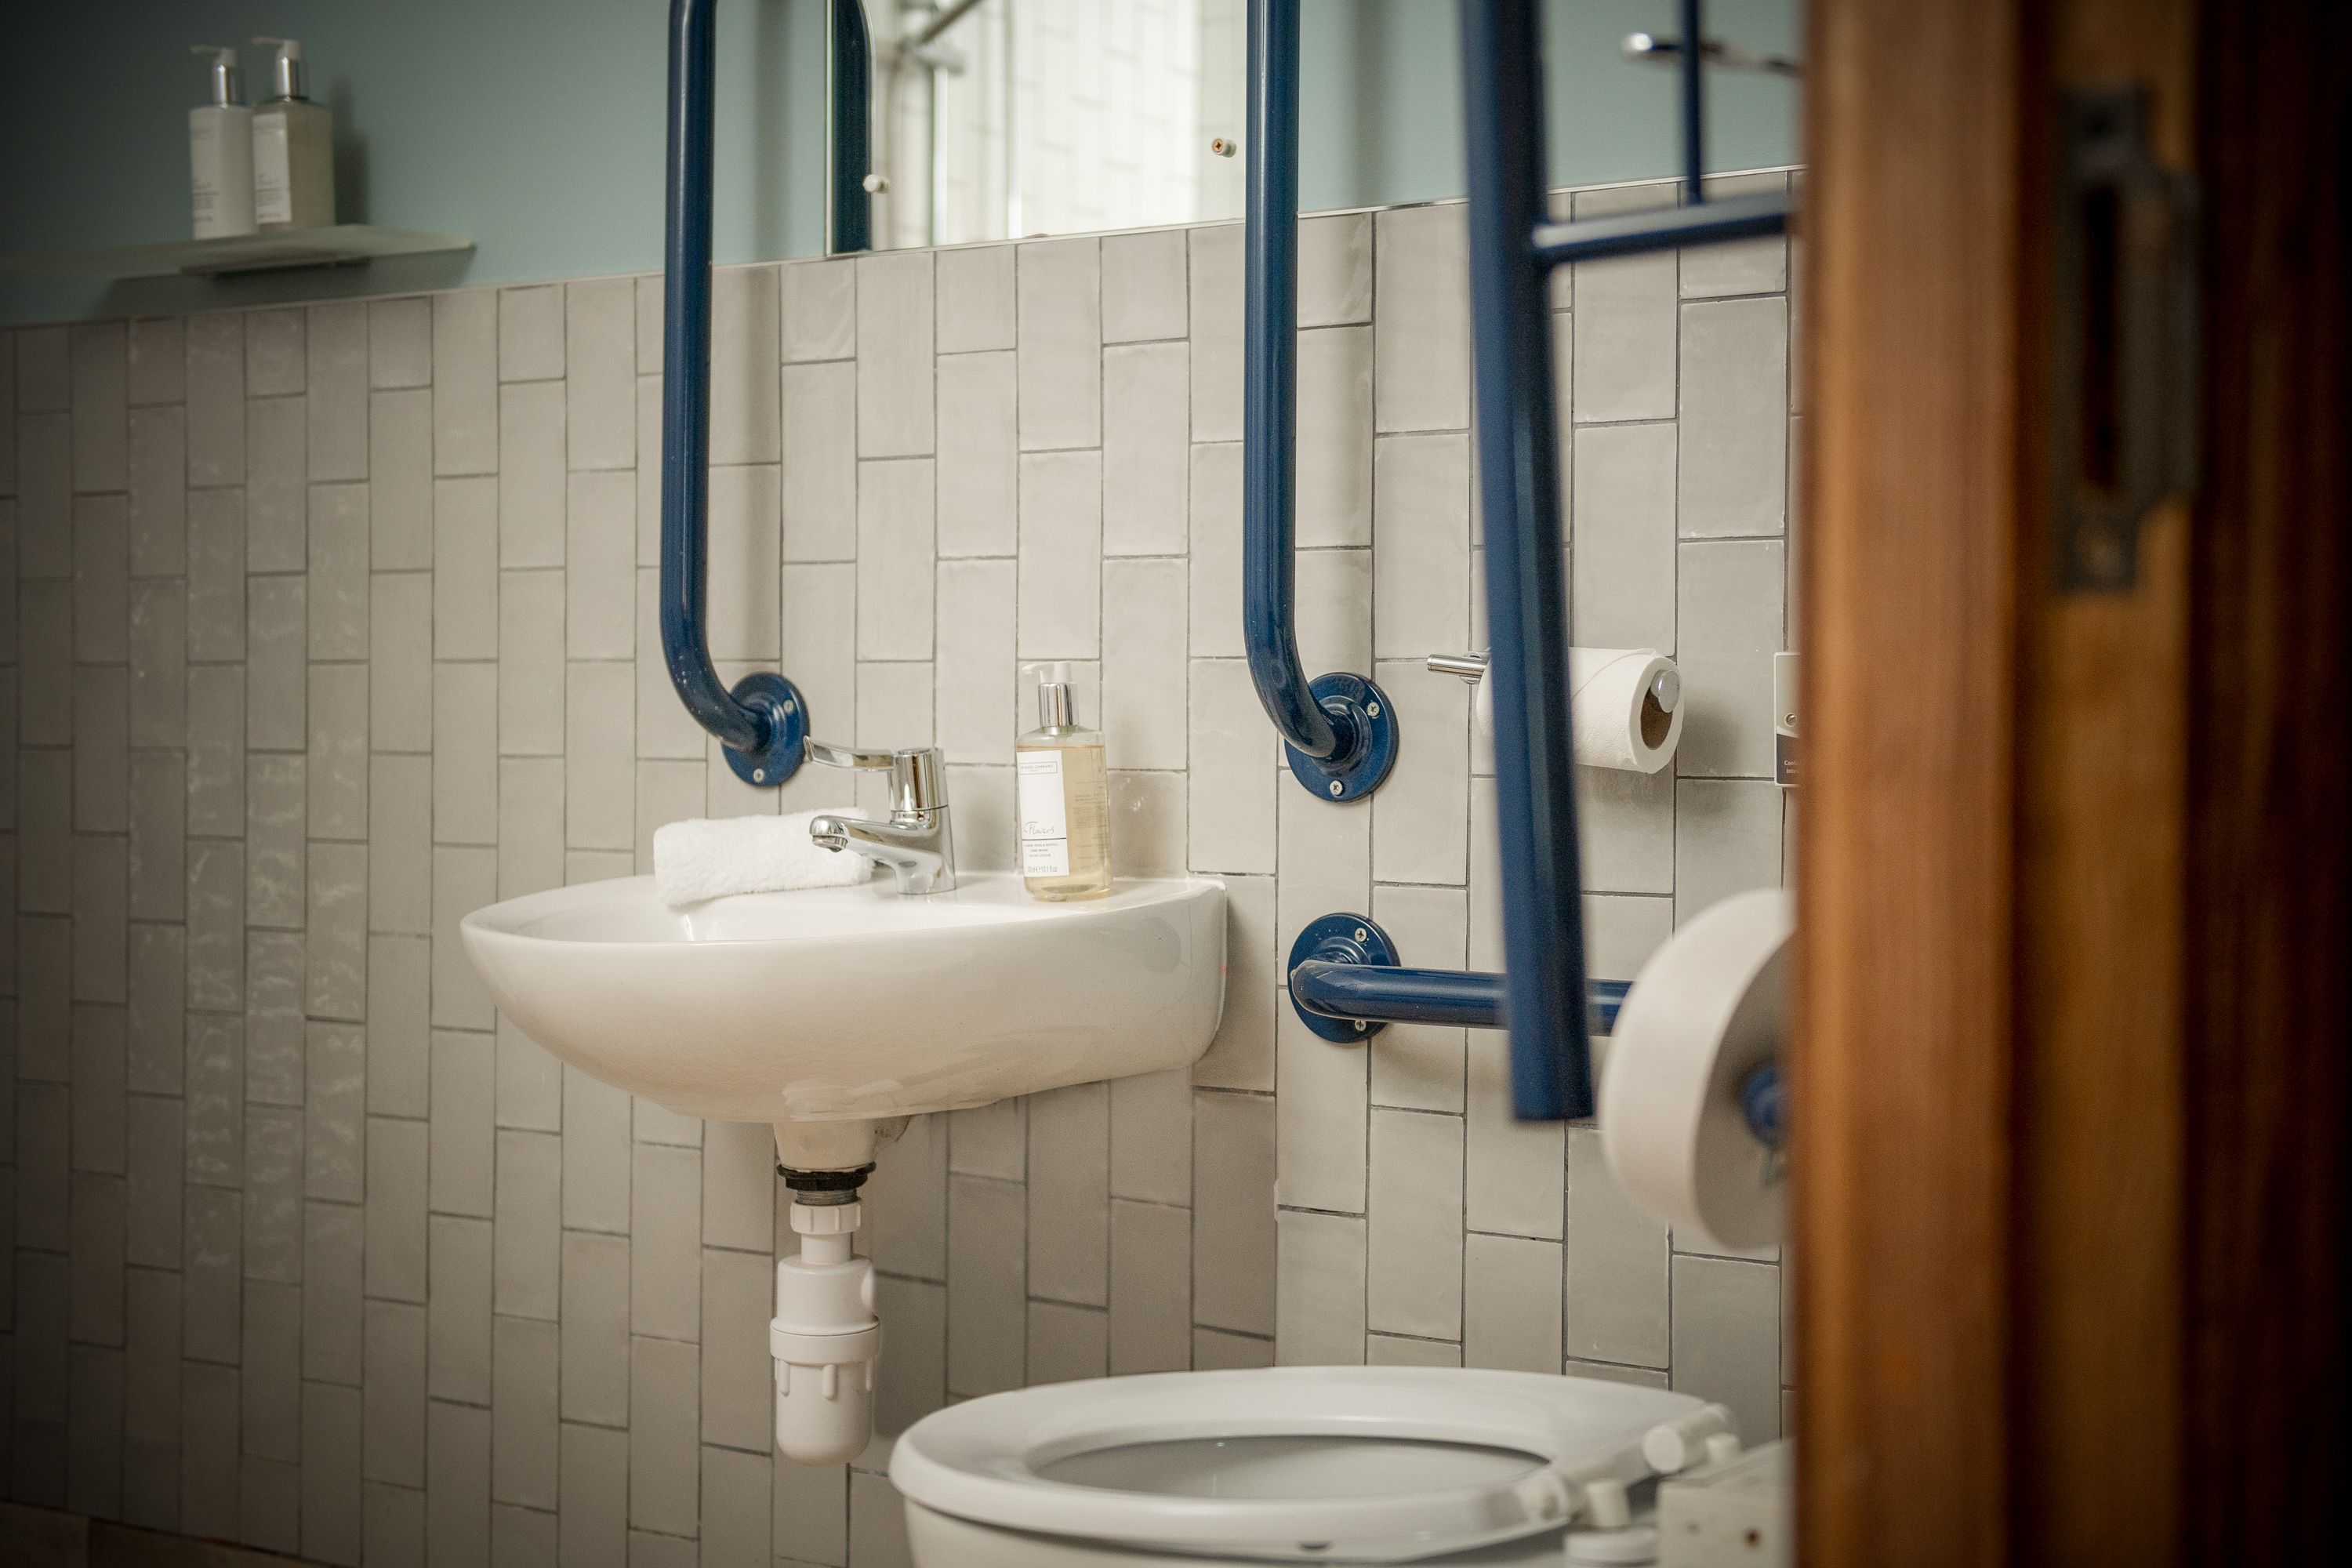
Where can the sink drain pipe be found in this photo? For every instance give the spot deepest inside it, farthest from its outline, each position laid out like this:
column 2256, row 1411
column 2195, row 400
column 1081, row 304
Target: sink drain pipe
column 825, row 1337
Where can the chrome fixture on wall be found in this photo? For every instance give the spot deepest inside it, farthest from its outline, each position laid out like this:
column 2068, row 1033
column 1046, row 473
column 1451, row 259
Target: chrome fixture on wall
column 764, row 722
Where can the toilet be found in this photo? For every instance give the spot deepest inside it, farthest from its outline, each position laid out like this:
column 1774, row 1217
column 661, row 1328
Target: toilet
column 1354, row 1465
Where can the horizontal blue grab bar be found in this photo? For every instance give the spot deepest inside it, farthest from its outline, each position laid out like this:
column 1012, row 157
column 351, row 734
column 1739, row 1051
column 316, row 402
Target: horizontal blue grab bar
column 763, row 722
column 1341, row 731
column 1347, row 985
column 1634, row 234
column 1364, row 998
column 1452, row 997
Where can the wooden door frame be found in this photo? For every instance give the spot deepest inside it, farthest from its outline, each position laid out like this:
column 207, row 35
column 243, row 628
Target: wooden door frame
column 2067, row 1075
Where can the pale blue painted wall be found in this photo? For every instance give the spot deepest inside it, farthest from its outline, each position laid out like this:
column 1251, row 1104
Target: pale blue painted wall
column 534, row 127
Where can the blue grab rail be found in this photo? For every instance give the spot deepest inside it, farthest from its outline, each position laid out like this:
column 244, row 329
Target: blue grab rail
column 1340, row 729
column 763, row 722
column 1513, row 250
column 1367, row 998
column 1346, row 984
column 852, row 68
column 1346, row 981
column 1527, row 577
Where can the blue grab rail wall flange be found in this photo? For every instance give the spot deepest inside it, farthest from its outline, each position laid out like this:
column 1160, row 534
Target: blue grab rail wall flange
column 763, row 724
column 1339, row 731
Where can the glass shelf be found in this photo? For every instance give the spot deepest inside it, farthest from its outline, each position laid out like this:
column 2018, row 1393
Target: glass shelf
column 343, row 245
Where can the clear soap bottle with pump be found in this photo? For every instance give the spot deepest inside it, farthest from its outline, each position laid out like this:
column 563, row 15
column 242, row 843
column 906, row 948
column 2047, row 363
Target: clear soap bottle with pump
column 1062, row 794
column 293, row 149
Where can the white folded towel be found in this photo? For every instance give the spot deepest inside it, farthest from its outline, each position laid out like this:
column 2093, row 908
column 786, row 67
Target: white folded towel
column 707, row 857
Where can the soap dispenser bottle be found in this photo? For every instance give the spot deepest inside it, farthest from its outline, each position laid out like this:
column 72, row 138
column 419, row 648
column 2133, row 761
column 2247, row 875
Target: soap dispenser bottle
column 1061, row 792
column 293, row 149
column 220, row 150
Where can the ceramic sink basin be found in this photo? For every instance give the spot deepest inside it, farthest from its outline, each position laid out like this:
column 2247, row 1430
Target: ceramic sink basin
column 827, row 1012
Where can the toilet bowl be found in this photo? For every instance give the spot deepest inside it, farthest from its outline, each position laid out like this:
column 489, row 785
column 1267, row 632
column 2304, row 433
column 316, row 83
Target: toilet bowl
column 1297, row 1465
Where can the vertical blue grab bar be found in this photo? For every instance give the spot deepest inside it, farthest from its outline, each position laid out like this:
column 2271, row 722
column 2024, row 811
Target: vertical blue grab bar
column 1526, row 578
column 1690, row 67
column 851, row 66
column 1513, row 250
column 763, row 722
column 1340, row 729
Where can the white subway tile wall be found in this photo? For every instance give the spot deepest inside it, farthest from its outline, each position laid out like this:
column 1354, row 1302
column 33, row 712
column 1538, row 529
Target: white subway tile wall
column 323, row 625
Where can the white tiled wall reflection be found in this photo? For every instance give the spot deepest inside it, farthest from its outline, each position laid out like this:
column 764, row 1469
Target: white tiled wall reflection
column 324, row 626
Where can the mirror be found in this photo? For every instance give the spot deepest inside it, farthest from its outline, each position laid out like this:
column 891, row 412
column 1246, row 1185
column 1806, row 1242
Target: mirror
column 983, row 119
column 1003, row 119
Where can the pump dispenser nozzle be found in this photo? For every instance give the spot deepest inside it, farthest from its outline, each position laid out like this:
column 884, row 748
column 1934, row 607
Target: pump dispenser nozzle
column 228, row 81
column 1054, row 709
column 286, row 72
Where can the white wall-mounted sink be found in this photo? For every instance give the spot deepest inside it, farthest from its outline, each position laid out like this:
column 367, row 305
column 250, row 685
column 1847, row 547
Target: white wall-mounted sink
column 831, row 1012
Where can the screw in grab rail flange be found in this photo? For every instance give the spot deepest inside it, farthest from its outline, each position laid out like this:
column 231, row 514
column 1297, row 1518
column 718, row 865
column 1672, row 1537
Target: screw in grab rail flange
column 1337, row 789
column 1372, row 710
column 1362, row 935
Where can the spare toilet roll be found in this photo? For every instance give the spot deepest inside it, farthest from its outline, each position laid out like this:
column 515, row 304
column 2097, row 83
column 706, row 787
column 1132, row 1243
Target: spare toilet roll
column 1623, row 714
column 1706, row 1011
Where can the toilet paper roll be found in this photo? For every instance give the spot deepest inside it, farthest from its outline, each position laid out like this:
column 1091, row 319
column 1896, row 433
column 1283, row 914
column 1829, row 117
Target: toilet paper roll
column 1614, row 707
column 1706, row 1011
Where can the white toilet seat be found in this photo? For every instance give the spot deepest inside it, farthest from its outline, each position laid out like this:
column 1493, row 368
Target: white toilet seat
column 1415, row 1462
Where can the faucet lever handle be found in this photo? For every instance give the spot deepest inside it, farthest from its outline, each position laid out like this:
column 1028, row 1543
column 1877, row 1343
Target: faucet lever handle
column 918, row 780
column 918, row 773
column 834, row 756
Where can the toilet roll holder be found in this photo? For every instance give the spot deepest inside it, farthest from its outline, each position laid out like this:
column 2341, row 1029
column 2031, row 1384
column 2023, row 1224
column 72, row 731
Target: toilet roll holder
column 1658, row 703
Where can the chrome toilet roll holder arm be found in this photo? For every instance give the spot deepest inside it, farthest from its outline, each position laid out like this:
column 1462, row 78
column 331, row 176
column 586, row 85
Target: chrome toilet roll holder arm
column 1665, row 686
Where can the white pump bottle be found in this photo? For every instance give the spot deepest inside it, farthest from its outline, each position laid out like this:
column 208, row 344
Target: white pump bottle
column 220, row 150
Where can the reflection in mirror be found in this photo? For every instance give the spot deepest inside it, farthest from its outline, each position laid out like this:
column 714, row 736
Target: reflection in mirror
column 993, row 119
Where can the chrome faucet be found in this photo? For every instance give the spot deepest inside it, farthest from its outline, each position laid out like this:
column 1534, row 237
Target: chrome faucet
column 916, row 843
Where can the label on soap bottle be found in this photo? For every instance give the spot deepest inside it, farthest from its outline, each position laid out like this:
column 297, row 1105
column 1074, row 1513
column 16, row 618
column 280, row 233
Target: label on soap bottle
column 273, row 182
column 1044, row 814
